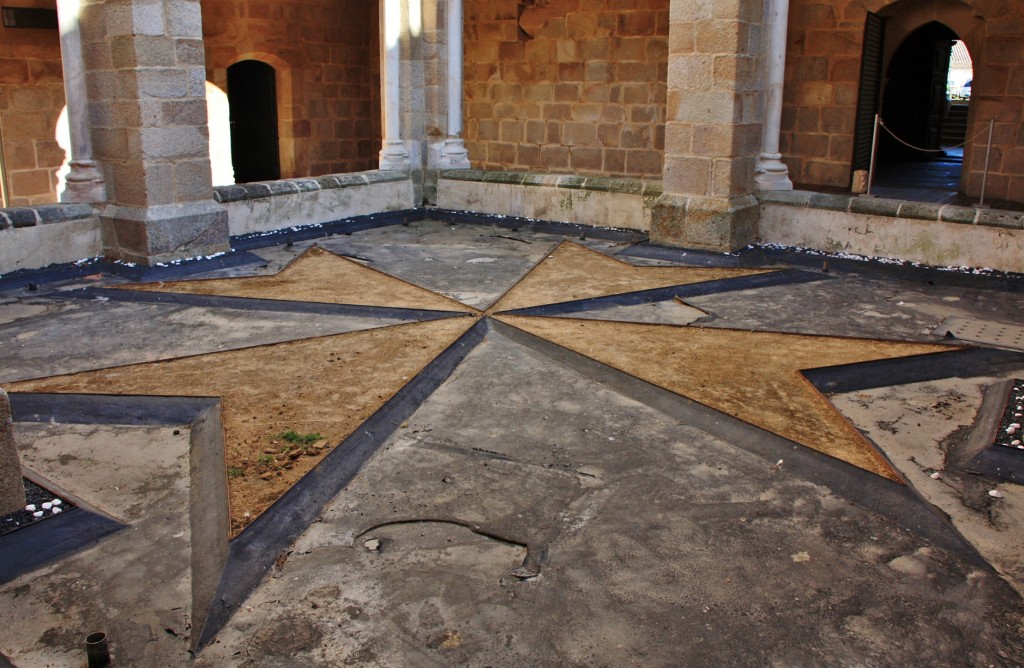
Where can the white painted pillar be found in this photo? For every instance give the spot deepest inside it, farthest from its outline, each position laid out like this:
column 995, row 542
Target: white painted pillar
column 85, row 181
column 393, row 154
column 455, row 155
column 772, row 174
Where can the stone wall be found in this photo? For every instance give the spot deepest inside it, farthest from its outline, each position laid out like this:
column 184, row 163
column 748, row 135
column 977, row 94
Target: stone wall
column 31, row 98
column 326, row 54
column 567, row 85
column 823, row 68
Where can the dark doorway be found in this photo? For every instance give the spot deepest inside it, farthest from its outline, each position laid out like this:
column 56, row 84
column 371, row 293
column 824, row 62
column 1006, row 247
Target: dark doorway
column 252, row 97
column 914, row 102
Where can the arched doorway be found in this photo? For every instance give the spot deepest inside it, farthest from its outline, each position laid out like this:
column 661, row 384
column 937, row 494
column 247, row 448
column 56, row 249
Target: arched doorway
column 910, row 91
column 252, row 98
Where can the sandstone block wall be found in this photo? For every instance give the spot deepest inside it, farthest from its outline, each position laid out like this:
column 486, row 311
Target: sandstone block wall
column 31, row 98
column 567, row 85
column 326, row 54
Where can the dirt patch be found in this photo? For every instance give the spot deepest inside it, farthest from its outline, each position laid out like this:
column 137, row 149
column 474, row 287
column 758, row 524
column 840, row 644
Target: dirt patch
column 754, row 376
column 326, row 386
column 574, row 272
column 317, row 276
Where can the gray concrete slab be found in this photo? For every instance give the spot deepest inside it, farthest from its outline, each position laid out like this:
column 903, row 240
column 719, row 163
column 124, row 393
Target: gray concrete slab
column 70, row 335
column 533, row 511
column 662, row 546
column 135, row 585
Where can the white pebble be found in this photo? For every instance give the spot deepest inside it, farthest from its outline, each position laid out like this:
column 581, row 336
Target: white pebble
column 56, row 510
column 38, row 513
column 1011, row 431
column 995, row 494
column 56, row 502
column 47, row 505
column 1015, row 441
column 1015, row 425
column 31, row 508
column 936, row 475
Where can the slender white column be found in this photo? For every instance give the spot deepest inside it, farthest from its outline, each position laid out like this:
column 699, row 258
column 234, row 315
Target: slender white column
column 455, row 155
column 772, row 174
column 393, row 154
column 84, row 181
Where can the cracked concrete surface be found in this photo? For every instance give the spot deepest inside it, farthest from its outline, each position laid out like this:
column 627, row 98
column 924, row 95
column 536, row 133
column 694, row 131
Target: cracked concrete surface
column 529, row 512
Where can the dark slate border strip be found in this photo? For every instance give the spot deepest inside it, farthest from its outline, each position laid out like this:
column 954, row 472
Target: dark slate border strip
column 108, row 409
column 533, row 225
column 751, row 256
column 344, row 226
column 957, row 363
column 997, row 280
column 791, row 277
column 247, row 304
column 893, row 501
column 35, row 545
column 999, row 463
column 254, row 551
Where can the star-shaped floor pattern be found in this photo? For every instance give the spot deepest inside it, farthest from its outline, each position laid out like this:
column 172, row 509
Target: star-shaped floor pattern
column 330, row 385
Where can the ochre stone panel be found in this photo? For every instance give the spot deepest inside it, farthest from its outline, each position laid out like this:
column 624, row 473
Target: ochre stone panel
column 567, row 84
column 327, row 57
column 31, row 98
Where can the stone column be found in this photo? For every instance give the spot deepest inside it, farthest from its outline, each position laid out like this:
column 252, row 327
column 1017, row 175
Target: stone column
column 772, row 174
column 84, row 182
column 12, row 488
column 713, row 128
column 393, row 154
column 145, row 71
column 454, row 153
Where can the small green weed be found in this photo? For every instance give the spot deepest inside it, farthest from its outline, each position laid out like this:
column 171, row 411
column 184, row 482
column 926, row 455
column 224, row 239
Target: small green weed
column 234, row 472
column 265, row 459
column 301, row 440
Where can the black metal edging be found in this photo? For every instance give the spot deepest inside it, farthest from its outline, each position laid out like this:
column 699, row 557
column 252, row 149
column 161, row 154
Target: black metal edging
column 251, row 304
column 344, row 226
column 955, row 363
column 254, row 551
column 881, row 496
column 790, row 277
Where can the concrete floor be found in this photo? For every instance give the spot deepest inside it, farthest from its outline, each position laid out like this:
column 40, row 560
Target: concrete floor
column 535, row 507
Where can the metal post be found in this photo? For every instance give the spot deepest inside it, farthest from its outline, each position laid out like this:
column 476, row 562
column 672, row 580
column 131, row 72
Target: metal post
column 874, row 151
column 988, row 154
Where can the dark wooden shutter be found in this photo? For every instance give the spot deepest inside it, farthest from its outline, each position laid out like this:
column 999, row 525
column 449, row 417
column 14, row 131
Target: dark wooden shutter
column 869, row 90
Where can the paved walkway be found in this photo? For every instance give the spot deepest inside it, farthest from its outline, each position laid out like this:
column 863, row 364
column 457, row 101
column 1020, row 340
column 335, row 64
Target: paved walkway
column 513, row 446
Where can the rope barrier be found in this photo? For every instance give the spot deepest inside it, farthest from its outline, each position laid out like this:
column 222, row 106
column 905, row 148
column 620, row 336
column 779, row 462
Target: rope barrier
column 927, row 150
column 879, row 123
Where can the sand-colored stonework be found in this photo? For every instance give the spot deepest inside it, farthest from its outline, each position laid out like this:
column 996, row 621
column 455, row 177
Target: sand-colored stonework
column 574, row 272
column 754, row 376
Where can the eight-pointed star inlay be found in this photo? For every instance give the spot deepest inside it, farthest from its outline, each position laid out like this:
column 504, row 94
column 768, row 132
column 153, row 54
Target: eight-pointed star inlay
column 330, row 385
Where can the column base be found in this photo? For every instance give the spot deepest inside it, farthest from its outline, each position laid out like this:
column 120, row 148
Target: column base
column 715, row 224
column 394, row 157
column 452, row 154
column 158, row 234
column 772, row 173
column 84, row 183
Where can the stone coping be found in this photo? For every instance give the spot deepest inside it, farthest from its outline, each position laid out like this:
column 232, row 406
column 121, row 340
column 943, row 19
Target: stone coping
column 30, row 216
column 895, row 208
column 261, row 189
column 626, row 186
